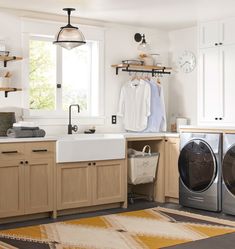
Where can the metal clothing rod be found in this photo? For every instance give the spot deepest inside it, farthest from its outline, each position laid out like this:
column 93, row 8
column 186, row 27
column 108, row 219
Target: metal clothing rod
column 153, row 72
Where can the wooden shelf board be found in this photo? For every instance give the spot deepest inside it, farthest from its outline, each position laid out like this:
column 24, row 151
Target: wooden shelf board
column 10, row 89
column 10, row 58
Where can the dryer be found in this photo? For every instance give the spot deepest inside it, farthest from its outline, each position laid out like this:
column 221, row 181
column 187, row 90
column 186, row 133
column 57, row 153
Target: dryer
column 200, row 170
column 228, row 174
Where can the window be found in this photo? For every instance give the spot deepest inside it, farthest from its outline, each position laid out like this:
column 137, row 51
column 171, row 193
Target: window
column 60, row 77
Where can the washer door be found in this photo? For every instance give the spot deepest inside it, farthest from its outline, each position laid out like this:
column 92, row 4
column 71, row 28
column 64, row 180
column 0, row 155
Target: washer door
column 197, row 165
column 228, row 169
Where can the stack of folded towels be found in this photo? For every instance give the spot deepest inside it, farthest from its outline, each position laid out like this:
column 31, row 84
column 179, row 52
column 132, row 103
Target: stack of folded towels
column 24, row 129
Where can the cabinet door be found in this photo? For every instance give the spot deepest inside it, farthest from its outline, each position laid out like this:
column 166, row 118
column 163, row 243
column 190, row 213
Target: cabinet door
column 227, row 35
column 38, row 185
column 210, row 88
column 11, row 188
column 108, row 182
column 73, row 185
column 209, row 33
column 228, row 81
column 171, row 167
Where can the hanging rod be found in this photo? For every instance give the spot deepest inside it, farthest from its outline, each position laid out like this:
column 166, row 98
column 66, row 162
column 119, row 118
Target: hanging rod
column 142, row 69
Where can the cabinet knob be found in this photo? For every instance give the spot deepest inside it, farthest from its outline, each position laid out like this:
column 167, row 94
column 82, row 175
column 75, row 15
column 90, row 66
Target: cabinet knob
column 26, row 162
column 220, row 43
column 220, row 118
column 94, row 163
column 89, row 164
column 216, row 44
column 166, row 140
column 21, row 162
column 216, row 118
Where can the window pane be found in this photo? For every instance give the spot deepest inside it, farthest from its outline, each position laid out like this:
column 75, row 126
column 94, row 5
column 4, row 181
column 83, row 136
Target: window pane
column 42, row 74
column 76, row 66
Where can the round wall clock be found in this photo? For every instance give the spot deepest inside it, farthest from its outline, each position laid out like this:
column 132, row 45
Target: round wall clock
column 187, row 61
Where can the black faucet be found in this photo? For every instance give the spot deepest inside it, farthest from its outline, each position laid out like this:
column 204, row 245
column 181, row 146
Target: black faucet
column 70, row 126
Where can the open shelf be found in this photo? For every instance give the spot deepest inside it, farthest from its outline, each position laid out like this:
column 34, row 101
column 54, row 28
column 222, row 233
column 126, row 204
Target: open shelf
column 142, row 69
column 9, row 89
column 6, row 59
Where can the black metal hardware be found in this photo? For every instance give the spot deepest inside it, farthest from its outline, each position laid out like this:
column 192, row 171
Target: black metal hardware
column 94, row 163
column 166, row 140
column 42, row 150
column 70, row 126
column 6, row 60
column 220, row 118
column 216, row 44
column 220, row 43
column 8, row 91
column 153, row 71
column 89, row 164
column 10, row 152
column 26, row 162
column 21, row 162
column 58, row 85
column 216, row 118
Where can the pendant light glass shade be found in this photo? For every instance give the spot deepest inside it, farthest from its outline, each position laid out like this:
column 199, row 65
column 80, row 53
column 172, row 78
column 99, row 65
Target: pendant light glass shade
column 69, row 36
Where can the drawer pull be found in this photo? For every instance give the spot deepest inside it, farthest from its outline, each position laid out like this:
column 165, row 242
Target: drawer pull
column 43, row 150
column 10, row 152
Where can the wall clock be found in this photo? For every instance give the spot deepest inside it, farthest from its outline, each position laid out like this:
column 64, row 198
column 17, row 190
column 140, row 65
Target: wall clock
column 187, row 61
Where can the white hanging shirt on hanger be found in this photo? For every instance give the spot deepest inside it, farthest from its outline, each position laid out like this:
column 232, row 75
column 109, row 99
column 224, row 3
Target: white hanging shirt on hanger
column 134, row 105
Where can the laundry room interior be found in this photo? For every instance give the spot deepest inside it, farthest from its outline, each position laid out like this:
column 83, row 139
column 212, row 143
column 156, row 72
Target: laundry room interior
column 117, row 123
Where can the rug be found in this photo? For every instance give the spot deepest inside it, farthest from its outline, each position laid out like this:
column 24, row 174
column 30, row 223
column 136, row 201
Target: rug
column 144, row 229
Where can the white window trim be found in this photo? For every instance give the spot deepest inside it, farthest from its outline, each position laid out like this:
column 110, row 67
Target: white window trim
column 29, row 26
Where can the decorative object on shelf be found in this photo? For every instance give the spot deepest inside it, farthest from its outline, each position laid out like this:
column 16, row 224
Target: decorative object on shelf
column 187, row 61
column 147, row 58
column 133, row 62
column 4, row 53
column 69, row 36
column 143, row 46
column 154, row 70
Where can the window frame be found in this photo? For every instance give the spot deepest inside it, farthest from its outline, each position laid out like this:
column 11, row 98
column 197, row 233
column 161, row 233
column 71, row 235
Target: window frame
column 28, row 32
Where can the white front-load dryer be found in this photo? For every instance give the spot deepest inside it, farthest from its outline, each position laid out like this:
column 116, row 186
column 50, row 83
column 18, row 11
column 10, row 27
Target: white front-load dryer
column 200, row 171
column 228, row 174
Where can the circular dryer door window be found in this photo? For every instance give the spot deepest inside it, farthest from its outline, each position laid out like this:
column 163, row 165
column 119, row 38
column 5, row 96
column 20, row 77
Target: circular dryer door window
column 197, row 165
column 228, row 170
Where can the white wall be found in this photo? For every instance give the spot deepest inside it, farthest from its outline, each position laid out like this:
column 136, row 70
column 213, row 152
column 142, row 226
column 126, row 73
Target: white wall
column 119, row 45
column 183, row 86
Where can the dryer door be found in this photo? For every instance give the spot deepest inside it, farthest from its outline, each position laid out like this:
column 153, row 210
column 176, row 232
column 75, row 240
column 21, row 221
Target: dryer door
column 228, row 169
column 197, row 165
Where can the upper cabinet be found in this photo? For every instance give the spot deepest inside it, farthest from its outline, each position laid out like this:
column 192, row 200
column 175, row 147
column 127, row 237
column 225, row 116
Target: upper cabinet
column 216, row 73
column 216, row 33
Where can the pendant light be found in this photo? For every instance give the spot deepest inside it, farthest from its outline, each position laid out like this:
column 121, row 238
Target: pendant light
column 143, row 46
column 69, row 36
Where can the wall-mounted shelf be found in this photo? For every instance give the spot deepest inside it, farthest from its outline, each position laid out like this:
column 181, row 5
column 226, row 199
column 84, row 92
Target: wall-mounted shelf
column 6, row 59
column 142, row 69
column 9, row 89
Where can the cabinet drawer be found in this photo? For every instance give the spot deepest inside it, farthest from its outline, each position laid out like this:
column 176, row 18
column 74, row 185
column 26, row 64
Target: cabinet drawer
column 40, row 150
column 11, row 151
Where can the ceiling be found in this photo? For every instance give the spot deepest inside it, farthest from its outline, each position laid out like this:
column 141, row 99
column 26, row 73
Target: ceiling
column 162, row 14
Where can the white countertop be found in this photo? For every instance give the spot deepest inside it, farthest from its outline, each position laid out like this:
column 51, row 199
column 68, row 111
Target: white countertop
column 207, row 127
column 127, row 135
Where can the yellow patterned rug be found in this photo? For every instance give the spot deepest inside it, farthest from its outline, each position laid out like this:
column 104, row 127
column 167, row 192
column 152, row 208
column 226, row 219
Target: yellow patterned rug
column 145, row 229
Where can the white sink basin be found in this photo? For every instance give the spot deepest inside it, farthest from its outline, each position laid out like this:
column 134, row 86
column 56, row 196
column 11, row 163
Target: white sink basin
column 90, row 147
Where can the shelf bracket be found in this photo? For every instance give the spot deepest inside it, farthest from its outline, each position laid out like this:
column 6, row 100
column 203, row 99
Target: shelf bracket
column 12, row 90
column 5, row 61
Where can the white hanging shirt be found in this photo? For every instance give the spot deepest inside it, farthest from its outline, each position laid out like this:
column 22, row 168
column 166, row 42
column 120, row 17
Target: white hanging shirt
column 163, row 126
column 134, row 105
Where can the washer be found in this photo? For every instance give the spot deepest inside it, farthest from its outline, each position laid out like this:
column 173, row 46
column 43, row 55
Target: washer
column 200, row 171
column 228, row 174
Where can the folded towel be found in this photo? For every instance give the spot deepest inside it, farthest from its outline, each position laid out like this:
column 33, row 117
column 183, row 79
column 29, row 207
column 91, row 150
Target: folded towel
column 24, row 124
column 25, row 128
column 17, row 133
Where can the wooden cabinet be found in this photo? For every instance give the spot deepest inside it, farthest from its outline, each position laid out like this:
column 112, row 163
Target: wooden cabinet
column 216, row 33
column 171, row 167
column 108, row 182
column 216, row 73
column 26, row 178
column 90, row 183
